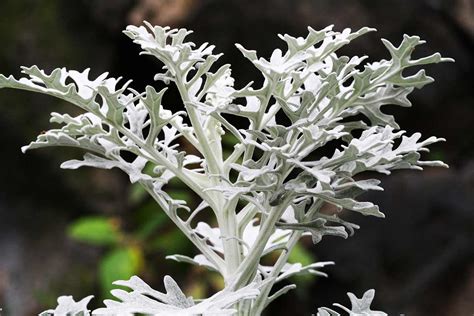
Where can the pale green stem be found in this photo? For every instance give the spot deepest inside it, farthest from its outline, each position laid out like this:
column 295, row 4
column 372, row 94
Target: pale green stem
column 226, row 216
column 249, row 265
column 230, row 237
column 260, row 302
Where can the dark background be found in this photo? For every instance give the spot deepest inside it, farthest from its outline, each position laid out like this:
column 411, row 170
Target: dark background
column 419, row 259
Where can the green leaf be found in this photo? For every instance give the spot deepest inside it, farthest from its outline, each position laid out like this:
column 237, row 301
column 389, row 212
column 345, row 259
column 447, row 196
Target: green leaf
column 119, row 264
column 96, row 230
column 180, row 195
column 170, row 242
column 301, row 254
column 137, row 193
column 150, row 218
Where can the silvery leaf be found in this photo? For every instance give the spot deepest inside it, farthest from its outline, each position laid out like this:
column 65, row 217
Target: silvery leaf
column 360, row 307
column 198, row 260
column 134, row 169
column 67, row 306
column 317, row 228
column 291, row 269
column 143, row 299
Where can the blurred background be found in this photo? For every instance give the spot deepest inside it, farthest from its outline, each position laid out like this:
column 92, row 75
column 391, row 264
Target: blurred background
column 73, row 232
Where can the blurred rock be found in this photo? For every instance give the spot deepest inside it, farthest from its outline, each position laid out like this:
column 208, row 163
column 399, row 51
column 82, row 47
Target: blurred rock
column 163, row 12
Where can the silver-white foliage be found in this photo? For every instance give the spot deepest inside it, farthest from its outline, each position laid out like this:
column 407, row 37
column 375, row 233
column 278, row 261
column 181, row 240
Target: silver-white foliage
column 144, row 300
column 68, row 307
column 282, row 183
column 360, row 306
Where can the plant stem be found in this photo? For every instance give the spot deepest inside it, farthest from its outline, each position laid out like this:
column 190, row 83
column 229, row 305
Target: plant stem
column 260, row 302
column 225, row 212
column 249, row 265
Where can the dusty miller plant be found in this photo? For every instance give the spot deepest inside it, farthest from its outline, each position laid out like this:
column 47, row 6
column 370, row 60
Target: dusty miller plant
column 277, row 195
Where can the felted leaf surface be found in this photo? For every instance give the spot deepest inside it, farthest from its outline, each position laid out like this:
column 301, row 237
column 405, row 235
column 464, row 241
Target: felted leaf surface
column 360, row 306
column 67, row 306
column 143, row 299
